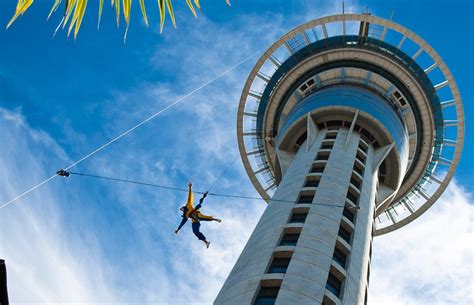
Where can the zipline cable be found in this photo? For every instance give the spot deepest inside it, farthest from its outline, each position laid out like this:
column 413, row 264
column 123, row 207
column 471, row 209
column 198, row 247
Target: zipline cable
column 178, row 101
column 131, row 181
column 226, row 169
column 64, row 173
column 223, row 173
column 27, row 191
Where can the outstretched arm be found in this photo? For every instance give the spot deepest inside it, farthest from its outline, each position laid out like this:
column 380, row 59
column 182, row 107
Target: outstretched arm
column 181, row 225
column 189, row 203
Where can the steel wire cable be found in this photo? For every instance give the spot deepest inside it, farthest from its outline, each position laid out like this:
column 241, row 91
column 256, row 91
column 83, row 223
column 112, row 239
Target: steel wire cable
column 186, row 190
column 178, row 101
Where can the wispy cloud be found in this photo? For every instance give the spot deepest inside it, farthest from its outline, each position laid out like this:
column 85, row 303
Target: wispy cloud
column 47, row 260
column 431, row 260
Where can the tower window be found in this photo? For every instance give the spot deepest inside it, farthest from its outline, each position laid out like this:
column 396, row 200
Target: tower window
column 334, row 285
column 298, row 217
column 363, row 147
column 355, row 183
column 358, row 169
column 289, row 239
column 305, row 199
column 318, row 168
column 340, row 257
column 366, row 136
column 279, row 265
column 311, row 183
column 331, row 135
column 327, row 301
column 352, row 197
column 344, row 234
column 327, row 145
column 360, row 156
column 322, row 156
column 348, row 213
column 267, row 296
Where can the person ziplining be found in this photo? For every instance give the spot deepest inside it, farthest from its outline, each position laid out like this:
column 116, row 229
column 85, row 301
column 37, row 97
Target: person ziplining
column 189, row 211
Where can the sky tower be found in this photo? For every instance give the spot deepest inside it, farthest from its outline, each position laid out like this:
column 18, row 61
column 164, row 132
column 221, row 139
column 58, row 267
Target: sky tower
column 350, row 126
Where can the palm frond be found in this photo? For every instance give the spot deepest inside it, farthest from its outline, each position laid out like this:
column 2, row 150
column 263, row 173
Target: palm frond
column 191, row 7
column 142, row 7
column 21, row 7
column 54, row 8
column 70, row 4
column 117, row 11
column 170, row 11
column 101, row 7
column 127, row 7
column 80, row 16
column 161, row 8
column 74, row 12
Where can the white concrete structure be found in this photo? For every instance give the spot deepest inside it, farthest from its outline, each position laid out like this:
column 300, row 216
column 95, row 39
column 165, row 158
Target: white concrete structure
column 352, row 137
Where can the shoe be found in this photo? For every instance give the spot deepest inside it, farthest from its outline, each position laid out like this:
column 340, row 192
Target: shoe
column 207, row 244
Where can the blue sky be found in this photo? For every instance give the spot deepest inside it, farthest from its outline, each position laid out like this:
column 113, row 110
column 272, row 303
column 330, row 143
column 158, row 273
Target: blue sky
column 87, row 241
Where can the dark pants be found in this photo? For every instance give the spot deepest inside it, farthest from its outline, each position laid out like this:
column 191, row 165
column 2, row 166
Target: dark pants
column 196, row 225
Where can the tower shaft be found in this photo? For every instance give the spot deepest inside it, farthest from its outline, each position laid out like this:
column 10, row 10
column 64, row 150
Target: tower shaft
column 311, row 243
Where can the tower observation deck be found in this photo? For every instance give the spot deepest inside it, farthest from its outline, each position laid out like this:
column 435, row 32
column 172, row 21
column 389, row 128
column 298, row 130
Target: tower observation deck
column 350, row 126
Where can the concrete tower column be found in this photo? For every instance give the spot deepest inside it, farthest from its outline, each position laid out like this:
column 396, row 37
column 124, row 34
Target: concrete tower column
column 316, row 184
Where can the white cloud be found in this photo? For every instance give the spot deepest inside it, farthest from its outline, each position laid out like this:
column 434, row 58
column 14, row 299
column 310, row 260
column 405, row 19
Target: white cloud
column 46, row 260
column 429, row 261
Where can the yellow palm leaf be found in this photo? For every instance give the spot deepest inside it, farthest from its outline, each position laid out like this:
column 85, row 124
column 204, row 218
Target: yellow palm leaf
column 161, row 8
column 74, row 16
column 21, row 7
column 142, row 6
column 70, row 5
column 80, row 16
column 54, row 8
column 126, row 10
column 74, row 12
column 191, row 7
column 127, row 6
column 25, row 6
column 170, row 11
column 101, row 7
column 117, row 11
